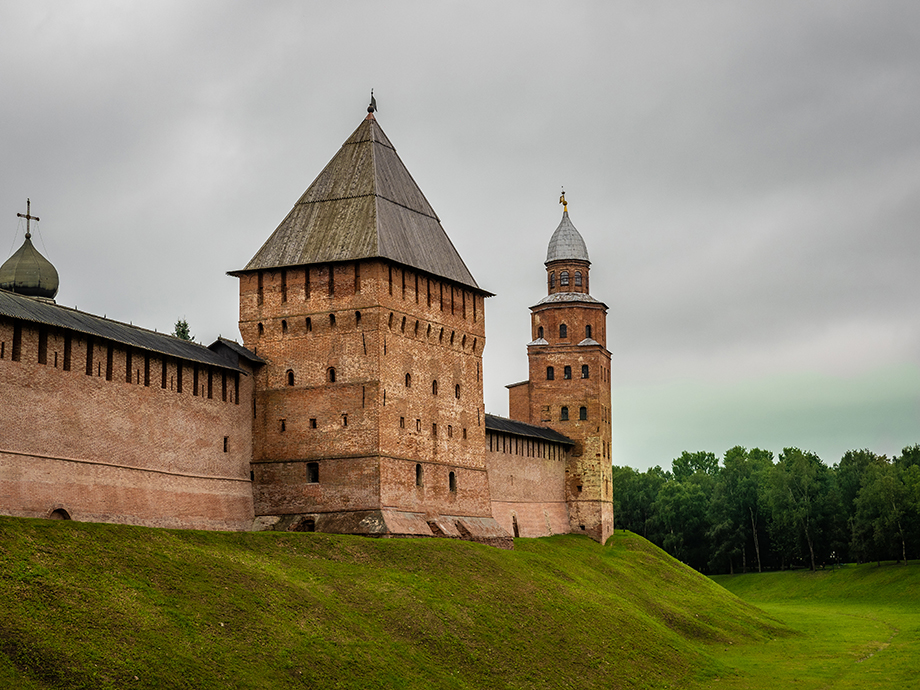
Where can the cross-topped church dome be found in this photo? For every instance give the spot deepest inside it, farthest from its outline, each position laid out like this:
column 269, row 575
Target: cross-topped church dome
column 27, row 272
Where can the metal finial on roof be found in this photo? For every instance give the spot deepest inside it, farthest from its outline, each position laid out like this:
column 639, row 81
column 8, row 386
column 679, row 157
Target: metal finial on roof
column 29, row 217
column 565, row 204
column 372, row 108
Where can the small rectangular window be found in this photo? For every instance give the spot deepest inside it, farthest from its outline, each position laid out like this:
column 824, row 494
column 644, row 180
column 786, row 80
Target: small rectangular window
column 344, row 420
column 226, row 443
column 313, row 422
column 283, row 424
column 434, row 430
column 418, row 424
column 313, row 473
column 402, row 422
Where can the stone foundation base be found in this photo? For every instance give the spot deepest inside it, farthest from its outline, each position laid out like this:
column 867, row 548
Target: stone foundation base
column 391, row 523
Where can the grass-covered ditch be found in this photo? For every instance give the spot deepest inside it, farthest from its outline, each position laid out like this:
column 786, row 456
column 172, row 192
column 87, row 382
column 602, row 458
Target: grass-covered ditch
column 114, row 606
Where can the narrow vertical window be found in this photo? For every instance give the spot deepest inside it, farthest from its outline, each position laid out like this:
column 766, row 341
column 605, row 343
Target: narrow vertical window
column 179, row 378
column 344, row 420
column 109, row 361
column 330, row 374
column 434, row 387
column 306, row 283
column 390, row 278
column 226, row 443
column 236, row 388
column 195, row 379
column 312, row 473
column 552, row 280
column 402, row 327
column 357, row 319
column 416, row 288
column 450, row 431
column 588, row 331
column 434, row 430
column 89, row 356
column 290, row 377
column 223, row 386
column 332, row 321
column 563, row 331
column 261, row 293
column 261, row 330
column 457, row 391
column 567, row 372
column 563, row 278
column 582, row 413
column 539, row 332
column 357, row 278
column 283, row 326
column 452, row 482
column 309, row 325
column 284, row 285
column 42, row 345
column 146, row 369
column 584, row 371
column 550, row 373
column 128, row 357
column 68, row 345
column 564, row 414
column 577, row 278
column 408, row 380
column 17, row 343
column 331, row 280
column 418, row 475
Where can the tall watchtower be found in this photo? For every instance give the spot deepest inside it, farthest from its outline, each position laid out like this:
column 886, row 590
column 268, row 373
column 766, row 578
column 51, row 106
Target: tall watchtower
column 569, row 385
column 368, row 415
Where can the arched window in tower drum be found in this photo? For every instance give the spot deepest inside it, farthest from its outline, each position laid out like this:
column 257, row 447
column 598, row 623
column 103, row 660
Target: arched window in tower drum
column 563, row 331
column 550, row 373
column 588, row 331
column 330, row 374
column 582, row 413
column 584, row 371
column 563, row 278
column 564, row 414
column 577, row 278
column 552, row 280
column 290, row 377
column 567, row 372
column 540, row 332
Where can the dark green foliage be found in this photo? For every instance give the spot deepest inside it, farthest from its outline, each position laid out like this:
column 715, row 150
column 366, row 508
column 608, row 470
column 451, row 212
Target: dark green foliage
column 751, row 513
column 181, row 330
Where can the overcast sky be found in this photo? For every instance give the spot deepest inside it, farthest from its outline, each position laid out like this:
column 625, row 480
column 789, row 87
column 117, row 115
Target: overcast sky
column 746, row 177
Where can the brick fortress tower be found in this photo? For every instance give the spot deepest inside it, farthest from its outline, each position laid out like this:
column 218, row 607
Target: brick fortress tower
column 368, row 415
column 569, row 385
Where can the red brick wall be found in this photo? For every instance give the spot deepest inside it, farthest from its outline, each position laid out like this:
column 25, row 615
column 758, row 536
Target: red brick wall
column 410, row 323
column 112, row 451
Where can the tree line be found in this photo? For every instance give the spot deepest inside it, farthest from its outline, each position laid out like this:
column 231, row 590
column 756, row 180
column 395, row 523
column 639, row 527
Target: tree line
column 754, row 512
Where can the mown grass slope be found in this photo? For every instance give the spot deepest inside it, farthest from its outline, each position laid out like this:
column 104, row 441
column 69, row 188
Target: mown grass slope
column 113, row 606
column 857, row 627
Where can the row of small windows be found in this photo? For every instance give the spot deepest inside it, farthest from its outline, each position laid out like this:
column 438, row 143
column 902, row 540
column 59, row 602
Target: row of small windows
column 564, row 331
column 308, row 326
column 327, row 281
column 564, row 413
column 420, row 478
column 140, row 368
column 564, row 279
column 515, row 445
column 567, row 372
column 313, row 423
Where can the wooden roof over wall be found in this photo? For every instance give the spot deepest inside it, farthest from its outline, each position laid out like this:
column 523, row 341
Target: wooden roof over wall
column 364, row 204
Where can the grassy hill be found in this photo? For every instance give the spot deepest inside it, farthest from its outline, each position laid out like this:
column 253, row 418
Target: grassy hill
column 858, row 627
column 113, row 606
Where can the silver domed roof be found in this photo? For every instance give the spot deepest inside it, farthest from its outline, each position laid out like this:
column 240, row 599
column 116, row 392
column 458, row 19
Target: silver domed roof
column 566, row 243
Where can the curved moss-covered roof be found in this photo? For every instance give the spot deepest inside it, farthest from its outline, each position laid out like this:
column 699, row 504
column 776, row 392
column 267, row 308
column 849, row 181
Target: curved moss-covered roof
column 27, row 272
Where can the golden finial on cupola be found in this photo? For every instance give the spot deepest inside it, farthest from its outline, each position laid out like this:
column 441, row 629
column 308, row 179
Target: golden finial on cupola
column 565, row 204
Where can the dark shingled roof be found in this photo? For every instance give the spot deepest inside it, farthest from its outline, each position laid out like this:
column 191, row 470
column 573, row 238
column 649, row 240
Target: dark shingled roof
column 50, row 314
column 512, row 426
column 363, row 205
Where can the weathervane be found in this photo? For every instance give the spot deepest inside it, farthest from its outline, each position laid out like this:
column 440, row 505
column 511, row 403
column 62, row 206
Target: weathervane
column 29, row 218
column 565, row 204
column 373, row 106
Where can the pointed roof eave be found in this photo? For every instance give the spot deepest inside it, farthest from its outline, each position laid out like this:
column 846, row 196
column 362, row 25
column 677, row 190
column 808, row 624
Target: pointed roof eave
column 363, row 205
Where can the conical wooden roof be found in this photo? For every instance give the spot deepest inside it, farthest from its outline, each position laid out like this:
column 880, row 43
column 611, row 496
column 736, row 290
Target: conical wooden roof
column 364, row 204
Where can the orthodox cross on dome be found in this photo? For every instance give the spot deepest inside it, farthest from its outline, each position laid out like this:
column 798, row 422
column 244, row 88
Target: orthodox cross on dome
column 565, row 204
column 29, row 218
column 372, row 108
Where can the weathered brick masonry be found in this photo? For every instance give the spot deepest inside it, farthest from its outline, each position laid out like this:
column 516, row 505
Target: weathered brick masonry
column 96, row 429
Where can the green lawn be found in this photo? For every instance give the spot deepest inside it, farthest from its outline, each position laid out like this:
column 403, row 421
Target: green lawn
column 113, row 606
column 858, row 627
